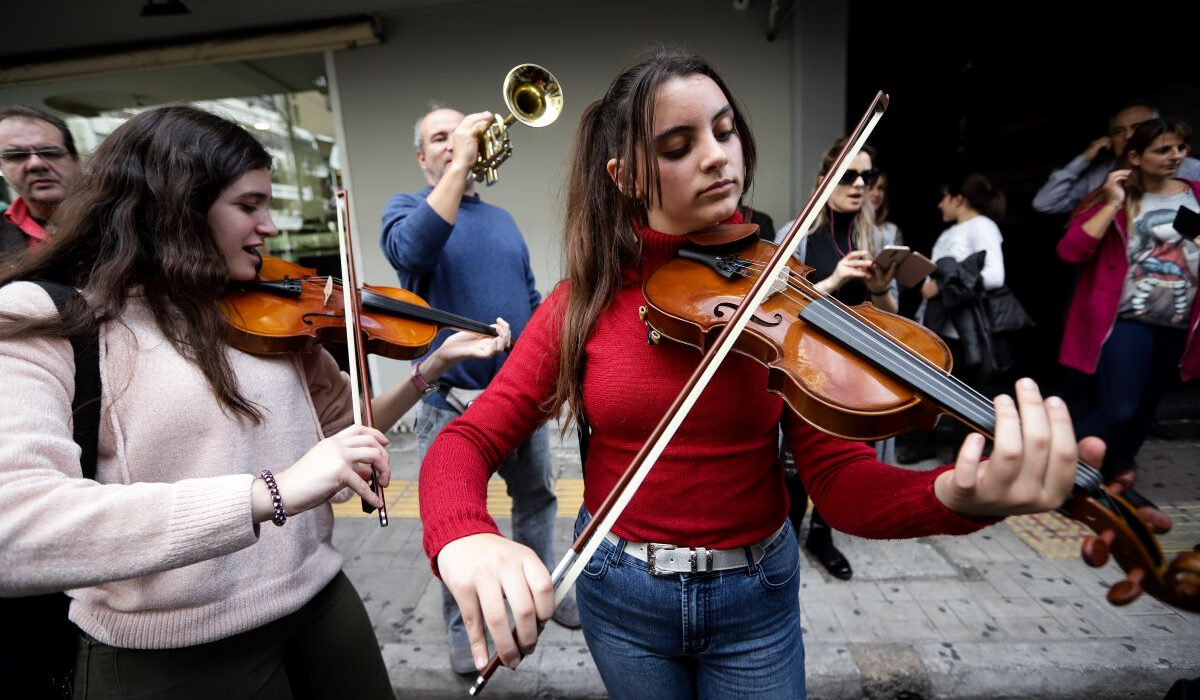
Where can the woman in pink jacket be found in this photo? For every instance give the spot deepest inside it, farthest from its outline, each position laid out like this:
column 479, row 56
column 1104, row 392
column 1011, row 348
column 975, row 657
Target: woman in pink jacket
column 1133, row 319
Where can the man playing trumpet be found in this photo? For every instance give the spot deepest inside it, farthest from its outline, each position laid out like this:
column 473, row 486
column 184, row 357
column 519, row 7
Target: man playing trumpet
column 468, row 257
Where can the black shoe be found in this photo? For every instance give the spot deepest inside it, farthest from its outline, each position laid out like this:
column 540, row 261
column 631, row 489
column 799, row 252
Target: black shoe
column 821, row 546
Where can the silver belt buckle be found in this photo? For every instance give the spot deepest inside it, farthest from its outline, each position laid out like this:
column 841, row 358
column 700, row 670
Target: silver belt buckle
column 652, row 550
column 694, row 564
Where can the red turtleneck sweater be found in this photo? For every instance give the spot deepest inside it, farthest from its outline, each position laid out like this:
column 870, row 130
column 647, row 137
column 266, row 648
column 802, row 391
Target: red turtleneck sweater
column 718, row 484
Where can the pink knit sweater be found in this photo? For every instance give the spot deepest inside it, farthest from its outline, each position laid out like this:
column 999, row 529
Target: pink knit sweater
column 160, row 551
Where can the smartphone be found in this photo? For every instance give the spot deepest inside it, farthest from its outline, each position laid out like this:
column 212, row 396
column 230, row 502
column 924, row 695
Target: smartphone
column 891, row 254
column 1187, row 223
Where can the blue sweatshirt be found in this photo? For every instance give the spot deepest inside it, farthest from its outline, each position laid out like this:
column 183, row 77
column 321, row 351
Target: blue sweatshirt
column 478, row 267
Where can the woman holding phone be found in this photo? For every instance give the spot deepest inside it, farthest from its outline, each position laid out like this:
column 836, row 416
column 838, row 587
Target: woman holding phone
column 841, row 248
column 1130, row 317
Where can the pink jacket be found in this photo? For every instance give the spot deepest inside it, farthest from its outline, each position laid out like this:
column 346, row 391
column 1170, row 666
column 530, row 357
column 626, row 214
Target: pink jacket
column 1098, row 294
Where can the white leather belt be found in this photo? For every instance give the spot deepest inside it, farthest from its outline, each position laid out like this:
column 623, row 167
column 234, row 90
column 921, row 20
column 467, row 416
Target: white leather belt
column 668, row 559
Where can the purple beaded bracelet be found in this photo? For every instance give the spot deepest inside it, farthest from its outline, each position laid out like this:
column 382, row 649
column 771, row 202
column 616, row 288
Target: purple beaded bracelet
column 276, row 500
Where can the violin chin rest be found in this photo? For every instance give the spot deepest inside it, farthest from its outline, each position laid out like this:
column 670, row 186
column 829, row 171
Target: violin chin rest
column 722, row 234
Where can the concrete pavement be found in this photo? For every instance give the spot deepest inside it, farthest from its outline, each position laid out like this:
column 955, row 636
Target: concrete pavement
column 1009, row 612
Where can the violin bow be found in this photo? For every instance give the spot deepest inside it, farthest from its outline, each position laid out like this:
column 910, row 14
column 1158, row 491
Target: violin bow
column 360, row 390
column 568, row 569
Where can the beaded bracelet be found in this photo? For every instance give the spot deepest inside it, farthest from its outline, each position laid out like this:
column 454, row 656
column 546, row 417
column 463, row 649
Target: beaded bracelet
column 276, row 500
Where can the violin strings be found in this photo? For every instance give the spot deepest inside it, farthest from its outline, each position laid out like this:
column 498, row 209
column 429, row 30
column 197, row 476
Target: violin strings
column 403, row 308
column 810, row 293
column 983, row 408
column 968, row 394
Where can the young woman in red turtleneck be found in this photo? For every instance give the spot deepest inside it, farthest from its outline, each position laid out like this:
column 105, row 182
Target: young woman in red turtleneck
column 665, row 152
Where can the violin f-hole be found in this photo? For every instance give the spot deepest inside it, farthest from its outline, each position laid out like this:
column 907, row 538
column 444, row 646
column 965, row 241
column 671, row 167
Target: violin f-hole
column 729, row 307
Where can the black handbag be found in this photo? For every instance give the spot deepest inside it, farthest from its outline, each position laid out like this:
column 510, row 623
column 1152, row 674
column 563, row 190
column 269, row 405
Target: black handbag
column 1004, row 312
column 38, row 642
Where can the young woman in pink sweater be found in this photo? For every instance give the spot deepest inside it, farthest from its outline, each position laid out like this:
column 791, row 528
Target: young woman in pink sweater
column 667, row 151
column 178, row 586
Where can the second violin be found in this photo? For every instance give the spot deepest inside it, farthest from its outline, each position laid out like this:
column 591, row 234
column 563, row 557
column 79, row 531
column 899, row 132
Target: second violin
column 290, row 307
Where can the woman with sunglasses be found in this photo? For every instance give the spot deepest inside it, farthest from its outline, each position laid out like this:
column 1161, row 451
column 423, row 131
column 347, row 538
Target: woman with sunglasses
column 667, row 151
column 842, row 245
column 841, row 248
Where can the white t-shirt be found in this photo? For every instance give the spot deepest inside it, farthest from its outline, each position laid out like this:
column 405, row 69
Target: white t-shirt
column 960, row 242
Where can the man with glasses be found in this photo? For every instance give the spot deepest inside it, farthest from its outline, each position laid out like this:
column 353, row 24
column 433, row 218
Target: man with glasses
column 1069, row 184
column 39, row 161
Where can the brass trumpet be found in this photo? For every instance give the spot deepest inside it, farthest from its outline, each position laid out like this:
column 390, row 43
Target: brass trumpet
column 533, row 97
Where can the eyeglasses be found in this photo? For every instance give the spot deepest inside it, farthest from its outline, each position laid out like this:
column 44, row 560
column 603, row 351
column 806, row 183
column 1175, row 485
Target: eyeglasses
column 869, row 177
column 19, row 157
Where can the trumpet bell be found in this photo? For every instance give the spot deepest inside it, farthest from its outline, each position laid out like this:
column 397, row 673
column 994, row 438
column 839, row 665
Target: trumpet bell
column 532, row 94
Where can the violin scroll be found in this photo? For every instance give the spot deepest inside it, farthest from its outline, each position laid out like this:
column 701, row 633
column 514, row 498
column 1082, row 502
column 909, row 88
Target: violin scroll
column 1122, row 532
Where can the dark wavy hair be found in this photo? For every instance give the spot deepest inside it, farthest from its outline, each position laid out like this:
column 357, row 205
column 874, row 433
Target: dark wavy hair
column 601, row 214
column 981, row 194
column 138, row 219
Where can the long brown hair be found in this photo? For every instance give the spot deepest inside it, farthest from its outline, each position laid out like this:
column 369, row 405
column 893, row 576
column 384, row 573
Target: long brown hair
column 600, row 221
column 138, row 219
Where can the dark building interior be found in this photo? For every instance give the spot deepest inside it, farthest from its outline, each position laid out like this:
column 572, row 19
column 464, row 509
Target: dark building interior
column 1010, row 92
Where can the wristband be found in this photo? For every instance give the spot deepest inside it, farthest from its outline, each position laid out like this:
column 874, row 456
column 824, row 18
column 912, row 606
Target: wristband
column 426, row 388
column 279, row 518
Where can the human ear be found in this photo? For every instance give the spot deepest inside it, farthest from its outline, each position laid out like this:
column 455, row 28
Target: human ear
column 614, row 171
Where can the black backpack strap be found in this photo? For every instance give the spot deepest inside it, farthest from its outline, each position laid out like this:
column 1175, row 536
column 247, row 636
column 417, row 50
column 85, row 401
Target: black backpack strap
column 86, row 405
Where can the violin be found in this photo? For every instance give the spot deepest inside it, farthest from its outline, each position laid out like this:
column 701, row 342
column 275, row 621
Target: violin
column 289, row 308
column 864, row 374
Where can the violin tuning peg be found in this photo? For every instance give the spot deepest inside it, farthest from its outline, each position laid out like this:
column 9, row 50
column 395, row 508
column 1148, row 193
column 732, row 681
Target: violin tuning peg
column 1128, row 589
column 1158, row 522
column 1094, row 551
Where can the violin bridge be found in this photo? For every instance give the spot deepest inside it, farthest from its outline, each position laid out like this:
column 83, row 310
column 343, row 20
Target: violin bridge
column 780, row 284
column 328, row 289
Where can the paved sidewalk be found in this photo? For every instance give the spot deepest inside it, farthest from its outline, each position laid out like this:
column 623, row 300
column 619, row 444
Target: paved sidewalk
column 1009, row 612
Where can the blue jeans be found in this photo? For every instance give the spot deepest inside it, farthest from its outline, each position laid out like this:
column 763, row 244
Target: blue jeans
column 726, row 634
column 1138, row 363
column 526, row 475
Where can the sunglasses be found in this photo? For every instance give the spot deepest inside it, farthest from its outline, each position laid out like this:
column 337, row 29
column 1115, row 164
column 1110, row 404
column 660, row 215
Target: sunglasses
column 19, row 157
column 869, row 176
